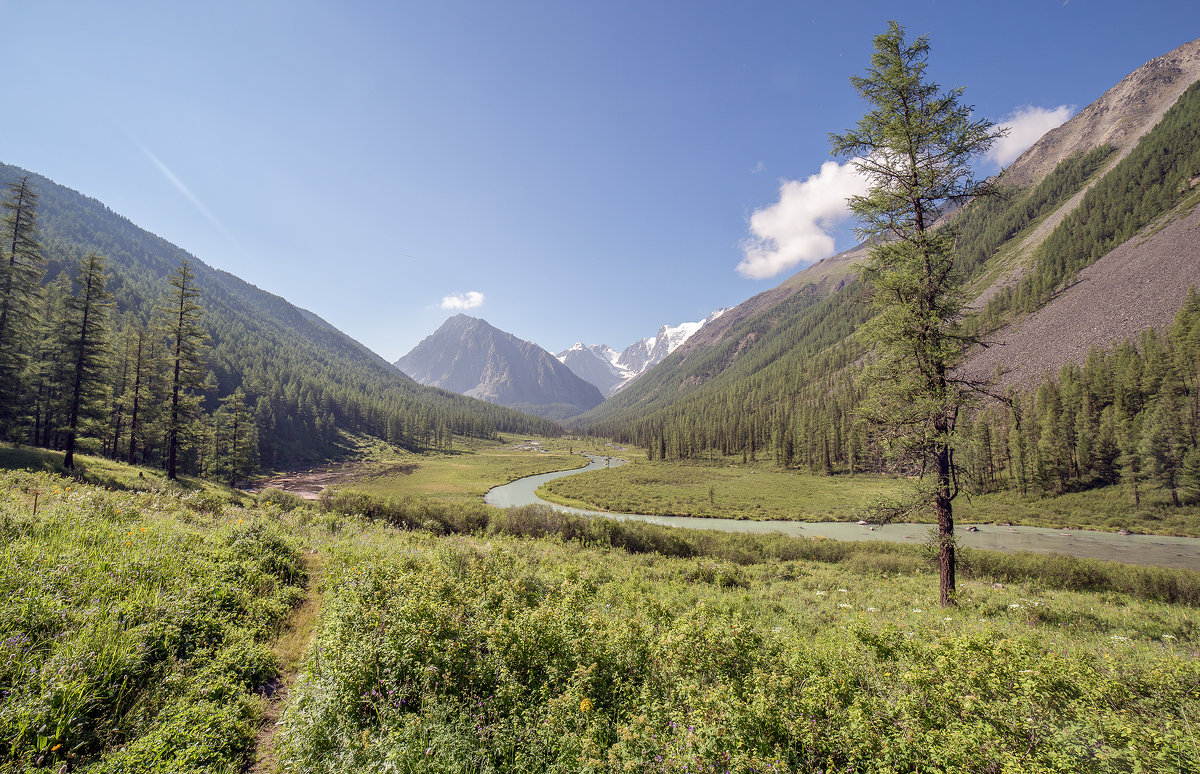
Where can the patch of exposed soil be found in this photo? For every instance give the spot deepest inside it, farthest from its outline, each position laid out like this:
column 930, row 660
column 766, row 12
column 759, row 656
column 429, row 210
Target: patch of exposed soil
column 1139, row 285
column 309, row 484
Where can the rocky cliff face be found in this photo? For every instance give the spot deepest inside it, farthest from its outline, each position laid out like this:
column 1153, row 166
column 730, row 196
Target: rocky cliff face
column 469, row 356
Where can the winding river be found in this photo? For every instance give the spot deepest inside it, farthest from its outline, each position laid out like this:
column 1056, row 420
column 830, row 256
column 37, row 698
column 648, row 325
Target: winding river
column 1155, row 550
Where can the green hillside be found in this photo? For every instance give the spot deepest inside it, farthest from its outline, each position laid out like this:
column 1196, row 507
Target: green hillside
column 302, row 378
column 781, row 383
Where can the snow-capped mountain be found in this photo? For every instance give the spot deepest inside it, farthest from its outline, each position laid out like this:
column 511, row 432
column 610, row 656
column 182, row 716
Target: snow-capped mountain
column 611, row 371
column 598, row 364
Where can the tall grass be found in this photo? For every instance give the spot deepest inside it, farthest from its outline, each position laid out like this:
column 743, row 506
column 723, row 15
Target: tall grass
column 133, row 627
column 1069, row 573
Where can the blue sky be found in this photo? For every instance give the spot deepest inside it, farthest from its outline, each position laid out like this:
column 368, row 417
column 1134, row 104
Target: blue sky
column 566, row 170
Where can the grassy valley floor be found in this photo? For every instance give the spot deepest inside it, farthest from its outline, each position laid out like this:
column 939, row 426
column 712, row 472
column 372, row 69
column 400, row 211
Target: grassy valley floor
column 498, row 653
column 741, row 492
column 466, row 474
column 149, row 631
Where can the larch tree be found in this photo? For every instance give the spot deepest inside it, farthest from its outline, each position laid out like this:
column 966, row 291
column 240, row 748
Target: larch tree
column 914, row 146
column 137, row 394
column 235, row 439
column 87, row 345
column 47, row 374
column 21, row 267
column 181, row 313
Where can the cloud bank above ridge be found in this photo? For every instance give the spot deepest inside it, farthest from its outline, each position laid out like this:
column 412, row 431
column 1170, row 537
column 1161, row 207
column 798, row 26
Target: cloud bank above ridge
column 1025, row 126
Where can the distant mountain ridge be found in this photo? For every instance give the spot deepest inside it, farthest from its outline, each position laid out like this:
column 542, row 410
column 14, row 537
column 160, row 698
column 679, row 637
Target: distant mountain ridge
column 469, row 356
column 613, row 371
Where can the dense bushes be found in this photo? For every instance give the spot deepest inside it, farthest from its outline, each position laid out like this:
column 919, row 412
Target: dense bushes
column 489, row 654
column 639, row 537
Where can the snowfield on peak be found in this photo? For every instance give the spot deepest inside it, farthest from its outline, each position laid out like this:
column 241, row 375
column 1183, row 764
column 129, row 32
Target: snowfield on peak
column 612, row 371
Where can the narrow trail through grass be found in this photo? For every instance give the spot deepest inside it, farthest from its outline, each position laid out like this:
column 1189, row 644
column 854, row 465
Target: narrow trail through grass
column 289, row 649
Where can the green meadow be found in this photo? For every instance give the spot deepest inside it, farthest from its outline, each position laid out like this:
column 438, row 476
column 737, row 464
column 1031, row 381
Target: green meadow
column 466, row 474
column 151, row 629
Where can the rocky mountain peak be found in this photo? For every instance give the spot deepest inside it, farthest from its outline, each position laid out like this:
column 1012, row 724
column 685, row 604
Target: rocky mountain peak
column 1120, row 117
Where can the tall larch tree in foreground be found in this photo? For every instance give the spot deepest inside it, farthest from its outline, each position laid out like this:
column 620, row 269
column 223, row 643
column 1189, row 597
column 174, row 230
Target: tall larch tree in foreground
column 914, row 146
column 181, row 313
column 86, row 339
column 21, row 267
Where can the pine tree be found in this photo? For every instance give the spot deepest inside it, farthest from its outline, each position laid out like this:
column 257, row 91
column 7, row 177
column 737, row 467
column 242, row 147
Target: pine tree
column 1189, row 475
column 181, row 312
column 87, row 345
column 1129, row 435
column 21, row 267
column 47, row 374
column 137, row 390
column 235, row 439
column 914, row 146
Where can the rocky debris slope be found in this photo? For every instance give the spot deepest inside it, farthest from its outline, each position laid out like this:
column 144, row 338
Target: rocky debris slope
column 1139, row 285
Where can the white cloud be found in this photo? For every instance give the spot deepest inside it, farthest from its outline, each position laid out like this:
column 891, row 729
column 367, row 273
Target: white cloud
column 463, row 301
column 796, row 229
column 1025, row 127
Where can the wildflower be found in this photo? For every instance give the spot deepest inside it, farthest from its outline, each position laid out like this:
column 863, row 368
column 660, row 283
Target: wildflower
column 585, row 704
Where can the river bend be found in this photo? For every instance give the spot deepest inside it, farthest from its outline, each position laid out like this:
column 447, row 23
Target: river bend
column 1152, row 550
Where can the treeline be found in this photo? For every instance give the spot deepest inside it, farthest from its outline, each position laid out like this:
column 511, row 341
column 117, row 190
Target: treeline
column 71, row 374
column 1129, row 416
column 277, row 382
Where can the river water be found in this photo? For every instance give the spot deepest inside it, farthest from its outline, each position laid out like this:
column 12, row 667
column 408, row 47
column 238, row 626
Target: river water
column 1155, row 550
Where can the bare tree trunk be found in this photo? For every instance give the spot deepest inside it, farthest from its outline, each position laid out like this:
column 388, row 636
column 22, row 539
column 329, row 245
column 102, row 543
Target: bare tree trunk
column 945, row 520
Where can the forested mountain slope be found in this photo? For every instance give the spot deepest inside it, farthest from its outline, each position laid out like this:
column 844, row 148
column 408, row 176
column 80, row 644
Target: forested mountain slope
column 302, row 377
column 1117, row 184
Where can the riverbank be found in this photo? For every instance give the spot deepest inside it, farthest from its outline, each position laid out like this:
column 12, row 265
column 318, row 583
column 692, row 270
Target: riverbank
column 699, row 489
column 1149, row 550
